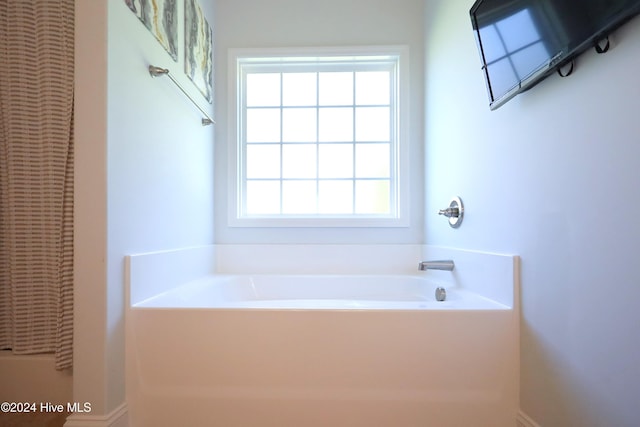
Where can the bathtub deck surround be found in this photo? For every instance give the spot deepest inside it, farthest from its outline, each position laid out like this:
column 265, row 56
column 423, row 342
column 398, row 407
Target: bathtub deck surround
column 274, row 364
column 317, row 259
column 491, row 275
column 318, row 292
column 487, row 274
column 155, row 272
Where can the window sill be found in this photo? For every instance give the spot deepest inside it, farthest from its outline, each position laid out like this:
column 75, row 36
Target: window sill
column 298, row 222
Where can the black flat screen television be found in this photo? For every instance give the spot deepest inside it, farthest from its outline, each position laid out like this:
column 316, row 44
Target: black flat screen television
column 523, row 41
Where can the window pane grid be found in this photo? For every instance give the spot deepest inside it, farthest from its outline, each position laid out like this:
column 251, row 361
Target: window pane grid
column 369, row 185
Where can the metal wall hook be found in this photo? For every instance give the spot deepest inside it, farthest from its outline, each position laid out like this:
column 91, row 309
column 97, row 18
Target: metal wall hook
column 454, row 212
column 157, row 71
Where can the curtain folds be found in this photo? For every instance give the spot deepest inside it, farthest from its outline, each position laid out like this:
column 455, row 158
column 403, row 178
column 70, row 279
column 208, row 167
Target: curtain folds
column 36, row 177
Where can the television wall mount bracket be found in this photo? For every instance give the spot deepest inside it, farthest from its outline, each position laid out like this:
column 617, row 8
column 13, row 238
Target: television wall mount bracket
column 602, row 49
column 566, row 69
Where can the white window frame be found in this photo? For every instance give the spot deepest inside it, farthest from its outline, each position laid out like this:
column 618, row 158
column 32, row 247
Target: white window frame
column 400, row 156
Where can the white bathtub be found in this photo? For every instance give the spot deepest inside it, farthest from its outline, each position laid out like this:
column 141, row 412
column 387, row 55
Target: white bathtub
column 340, row 292
column 317, row 350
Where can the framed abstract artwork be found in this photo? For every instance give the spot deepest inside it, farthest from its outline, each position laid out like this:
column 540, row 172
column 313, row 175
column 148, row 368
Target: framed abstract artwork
column 198, row 49
column 161, row 19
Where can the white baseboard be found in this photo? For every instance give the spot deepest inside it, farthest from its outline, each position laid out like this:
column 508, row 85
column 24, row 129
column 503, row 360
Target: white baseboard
column 116, row 418
column 524, row 420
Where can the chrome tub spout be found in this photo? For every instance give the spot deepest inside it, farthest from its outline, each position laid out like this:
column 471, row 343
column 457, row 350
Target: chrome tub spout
column 447, row 265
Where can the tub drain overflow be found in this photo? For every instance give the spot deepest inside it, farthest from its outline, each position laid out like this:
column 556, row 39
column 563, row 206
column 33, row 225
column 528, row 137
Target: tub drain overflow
column 441, row 294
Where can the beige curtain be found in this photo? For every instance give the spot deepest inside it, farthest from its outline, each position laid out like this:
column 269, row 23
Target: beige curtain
column 36, row 177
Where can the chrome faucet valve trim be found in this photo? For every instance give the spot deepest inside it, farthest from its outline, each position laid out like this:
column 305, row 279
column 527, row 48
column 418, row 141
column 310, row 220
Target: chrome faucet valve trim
column 454, row 212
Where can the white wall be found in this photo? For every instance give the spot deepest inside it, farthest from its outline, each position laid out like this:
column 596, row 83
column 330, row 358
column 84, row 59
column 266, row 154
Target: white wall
column 292, row 23
column 144, row 179
column 33, row 378
column 553, row 177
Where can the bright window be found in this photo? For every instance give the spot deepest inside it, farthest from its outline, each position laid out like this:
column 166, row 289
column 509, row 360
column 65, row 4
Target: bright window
column 319, row 139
